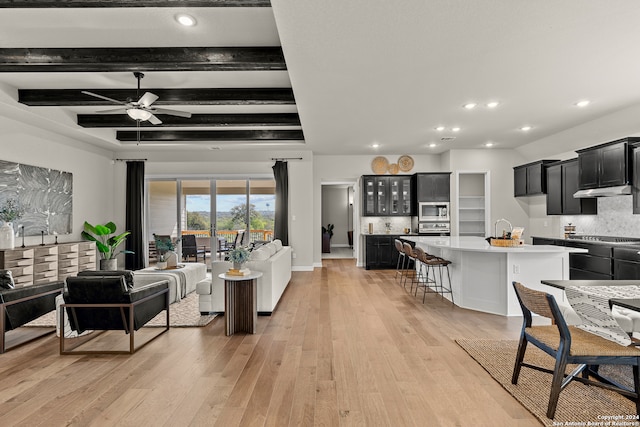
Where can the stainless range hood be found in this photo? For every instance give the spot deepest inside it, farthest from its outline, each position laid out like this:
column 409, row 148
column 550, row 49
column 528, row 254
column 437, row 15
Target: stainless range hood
column 620, row 190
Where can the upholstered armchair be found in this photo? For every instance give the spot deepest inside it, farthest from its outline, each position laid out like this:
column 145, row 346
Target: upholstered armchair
column 108, row 303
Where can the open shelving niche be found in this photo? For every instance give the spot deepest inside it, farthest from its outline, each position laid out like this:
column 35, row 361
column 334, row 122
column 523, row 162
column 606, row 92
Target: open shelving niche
column 472, row 204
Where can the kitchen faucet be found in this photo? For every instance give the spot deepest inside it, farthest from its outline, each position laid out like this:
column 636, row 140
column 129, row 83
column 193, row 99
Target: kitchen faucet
column 495, row 227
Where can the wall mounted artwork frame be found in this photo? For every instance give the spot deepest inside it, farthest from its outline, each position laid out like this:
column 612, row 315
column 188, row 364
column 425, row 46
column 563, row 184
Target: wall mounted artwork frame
column 46, row 195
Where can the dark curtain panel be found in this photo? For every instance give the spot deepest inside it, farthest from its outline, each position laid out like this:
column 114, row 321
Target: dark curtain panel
column 281, row 226
column 134, row 215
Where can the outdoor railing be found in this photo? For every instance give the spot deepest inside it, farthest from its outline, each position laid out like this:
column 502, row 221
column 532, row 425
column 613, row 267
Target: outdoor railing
column 230, row 235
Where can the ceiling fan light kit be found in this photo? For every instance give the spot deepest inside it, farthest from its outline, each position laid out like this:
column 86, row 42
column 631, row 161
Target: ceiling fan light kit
column 141, row 110
column 138, row 114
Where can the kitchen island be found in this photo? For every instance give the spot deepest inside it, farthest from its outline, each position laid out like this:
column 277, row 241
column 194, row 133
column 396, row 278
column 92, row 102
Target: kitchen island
column 481, row 274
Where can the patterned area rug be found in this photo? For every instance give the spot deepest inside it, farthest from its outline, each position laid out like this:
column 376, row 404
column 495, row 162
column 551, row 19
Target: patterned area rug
column 579, row 404
column 183, row 314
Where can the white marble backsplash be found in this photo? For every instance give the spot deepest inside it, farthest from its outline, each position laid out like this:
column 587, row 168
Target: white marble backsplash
column 398, row 224
column 615, row 218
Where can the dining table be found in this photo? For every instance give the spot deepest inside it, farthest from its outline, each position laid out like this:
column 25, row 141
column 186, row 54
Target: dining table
column 593, row 300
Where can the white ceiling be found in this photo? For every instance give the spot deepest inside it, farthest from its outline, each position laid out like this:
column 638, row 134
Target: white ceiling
column 366, row 71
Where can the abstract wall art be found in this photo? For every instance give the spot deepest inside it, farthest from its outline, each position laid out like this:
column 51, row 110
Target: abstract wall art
column 45, row 194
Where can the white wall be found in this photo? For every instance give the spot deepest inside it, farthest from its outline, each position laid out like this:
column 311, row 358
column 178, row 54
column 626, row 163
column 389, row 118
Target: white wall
column 92, row 169
column 207, row 165
column 332, row 169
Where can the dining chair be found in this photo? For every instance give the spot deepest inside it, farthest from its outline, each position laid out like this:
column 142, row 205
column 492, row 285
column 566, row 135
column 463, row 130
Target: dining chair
column 570, row 345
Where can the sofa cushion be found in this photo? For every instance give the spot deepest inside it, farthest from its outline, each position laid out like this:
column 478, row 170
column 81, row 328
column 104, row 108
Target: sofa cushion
column 127, row 274
column 6, row 280
column 278, row 244
column 271, row 248
column 260, row 254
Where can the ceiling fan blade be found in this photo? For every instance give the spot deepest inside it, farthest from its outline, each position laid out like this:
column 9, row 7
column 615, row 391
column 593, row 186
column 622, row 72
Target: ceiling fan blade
column 103, row 97
column 147, row 99
column 172, row 112
column 113, row 111
column 154, row 120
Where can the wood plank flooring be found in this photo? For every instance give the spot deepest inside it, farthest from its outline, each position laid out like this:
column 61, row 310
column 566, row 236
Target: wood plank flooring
column 345, row 347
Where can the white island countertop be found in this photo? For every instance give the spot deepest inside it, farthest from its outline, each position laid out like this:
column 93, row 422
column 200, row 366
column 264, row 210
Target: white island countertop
column 482, row 275
column 470, row 243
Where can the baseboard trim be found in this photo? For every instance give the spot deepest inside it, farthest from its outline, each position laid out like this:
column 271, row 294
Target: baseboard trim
column 302, row 268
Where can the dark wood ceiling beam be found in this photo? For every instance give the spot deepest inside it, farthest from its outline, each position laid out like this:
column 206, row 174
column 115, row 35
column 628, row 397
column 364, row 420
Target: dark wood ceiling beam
column 39, row 4
column 266, row 58
column 210, row 135
column 190, row 96
column 196, row 120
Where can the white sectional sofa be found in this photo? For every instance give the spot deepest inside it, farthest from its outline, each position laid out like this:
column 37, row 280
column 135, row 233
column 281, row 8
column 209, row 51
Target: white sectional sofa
column 274, row 262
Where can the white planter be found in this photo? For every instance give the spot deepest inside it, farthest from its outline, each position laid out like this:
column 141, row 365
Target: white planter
column 7, row 236
column 109, row 264
column 162, row 265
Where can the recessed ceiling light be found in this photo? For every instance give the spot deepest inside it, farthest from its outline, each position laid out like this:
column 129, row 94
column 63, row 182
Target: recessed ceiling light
column 433, row 144
column 583, row 103
column 492, row 104
column 525, row 128
column 470, row 105
column 440, row 128
column 375, row 145
column 489, row 144
column 456, row 129
column 186, row 20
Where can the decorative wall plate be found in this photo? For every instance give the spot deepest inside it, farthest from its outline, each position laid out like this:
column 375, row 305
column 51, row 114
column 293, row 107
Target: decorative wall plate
column 393, row 168
column 379, row 165
column 405, row 163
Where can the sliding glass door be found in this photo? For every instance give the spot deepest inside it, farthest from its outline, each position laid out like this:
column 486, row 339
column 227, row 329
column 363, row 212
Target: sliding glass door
column 214, row 210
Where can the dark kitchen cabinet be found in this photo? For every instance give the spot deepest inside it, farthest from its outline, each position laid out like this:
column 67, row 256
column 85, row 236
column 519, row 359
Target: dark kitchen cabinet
column 626, row 263
column 432, row 187
column 380, row 251
column 562, row 183
column 597, row 264
column 605, row 165
column 530, row 179
column 386, row 195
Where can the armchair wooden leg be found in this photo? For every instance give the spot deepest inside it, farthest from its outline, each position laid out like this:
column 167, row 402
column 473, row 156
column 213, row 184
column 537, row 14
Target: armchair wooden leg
column 556, row 383
column 522, row 347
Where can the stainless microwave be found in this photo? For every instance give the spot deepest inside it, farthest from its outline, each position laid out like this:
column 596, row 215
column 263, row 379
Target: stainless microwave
column 433, row 211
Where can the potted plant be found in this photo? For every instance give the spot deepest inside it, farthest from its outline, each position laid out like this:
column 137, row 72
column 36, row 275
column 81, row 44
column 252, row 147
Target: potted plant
column 10, row 211
column 107, row 243
column 238, row 256
column 327, row 234
column 166, row 249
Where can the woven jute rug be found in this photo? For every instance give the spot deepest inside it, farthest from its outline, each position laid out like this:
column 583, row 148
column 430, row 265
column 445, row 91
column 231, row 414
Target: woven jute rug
column 182, row 314
column 578, row 404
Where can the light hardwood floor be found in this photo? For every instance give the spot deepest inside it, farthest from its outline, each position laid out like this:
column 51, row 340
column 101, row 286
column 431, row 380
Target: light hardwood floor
column 345, row 346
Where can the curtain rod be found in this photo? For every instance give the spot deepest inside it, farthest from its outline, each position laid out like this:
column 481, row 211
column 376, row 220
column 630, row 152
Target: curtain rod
column 131, row 160
column 286, row 158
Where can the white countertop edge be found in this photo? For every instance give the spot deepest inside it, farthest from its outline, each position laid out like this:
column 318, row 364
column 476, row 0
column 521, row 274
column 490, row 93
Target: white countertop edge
column 479, row 244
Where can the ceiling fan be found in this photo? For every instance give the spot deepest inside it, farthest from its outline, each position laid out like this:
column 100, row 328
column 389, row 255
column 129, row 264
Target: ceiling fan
column 141, row 109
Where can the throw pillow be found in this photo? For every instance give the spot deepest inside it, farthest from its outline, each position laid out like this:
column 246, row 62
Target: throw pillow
column 128, row 275
column 259, row 254
column 271, row 248
column 278, row 244
column 6, row 280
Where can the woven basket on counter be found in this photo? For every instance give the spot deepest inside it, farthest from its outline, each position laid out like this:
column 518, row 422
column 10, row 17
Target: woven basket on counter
column 506, row 243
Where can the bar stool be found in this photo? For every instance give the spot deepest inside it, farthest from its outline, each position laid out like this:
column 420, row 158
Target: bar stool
column 401, row 257
column 423, row 279
column 441, row 264
column 411, row 256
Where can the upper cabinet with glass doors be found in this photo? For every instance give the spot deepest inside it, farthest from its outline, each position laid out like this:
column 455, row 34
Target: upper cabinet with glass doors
column 386, row 195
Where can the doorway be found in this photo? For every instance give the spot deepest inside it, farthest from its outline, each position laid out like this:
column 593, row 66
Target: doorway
column 338, row 210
